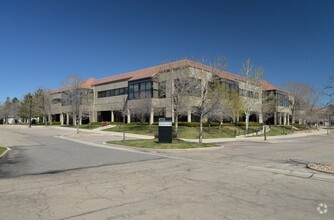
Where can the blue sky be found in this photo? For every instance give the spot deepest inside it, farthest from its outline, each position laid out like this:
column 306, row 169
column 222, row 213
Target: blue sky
column 43, row 42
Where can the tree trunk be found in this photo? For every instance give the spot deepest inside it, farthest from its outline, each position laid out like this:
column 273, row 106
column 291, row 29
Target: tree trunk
column 176, row 125
column 293, row 119
column 200, row 141
column 123, row 127
column 77, row 122
column 220, row 125
column 247, row 121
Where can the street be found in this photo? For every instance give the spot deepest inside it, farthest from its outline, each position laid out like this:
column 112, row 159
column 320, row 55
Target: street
column 46, row 153
column 242, row 180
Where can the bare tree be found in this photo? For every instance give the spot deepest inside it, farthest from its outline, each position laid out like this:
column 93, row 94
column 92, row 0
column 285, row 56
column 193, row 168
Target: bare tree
column 6, row 110
column 224, row 109
column 180, row 90
column 251, row 88
column 268, row 108
column 87, row 106
column 76, row 97
column 14, row 108
column 329, row 88
column 312, row 105
column 210, row 90
column 304, row 99
column 43, row 105
column 24, row 108
column 141, row 109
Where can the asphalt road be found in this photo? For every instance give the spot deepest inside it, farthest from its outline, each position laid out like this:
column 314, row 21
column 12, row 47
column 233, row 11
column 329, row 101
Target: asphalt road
column 40, row 153
column 242, row 180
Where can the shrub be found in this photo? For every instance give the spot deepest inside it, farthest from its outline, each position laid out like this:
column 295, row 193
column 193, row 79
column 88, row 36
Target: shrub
column 251, row 124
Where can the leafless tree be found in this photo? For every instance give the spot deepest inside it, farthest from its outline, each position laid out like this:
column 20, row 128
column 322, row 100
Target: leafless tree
column 224, row 109
column 329, row 88
column 268, row 108
column 210, row 89
column 141, row 109
column 6, row 110
column 312, row 105
column 24, row 108
column 181, row 87
column 76, row 96
column 305, row 100
column 43, row 105
column 251, row 89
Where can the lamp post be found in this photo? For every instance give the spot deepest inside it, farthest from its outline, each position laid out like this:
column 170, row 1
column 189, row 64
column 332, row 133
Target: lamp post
column 30, row 109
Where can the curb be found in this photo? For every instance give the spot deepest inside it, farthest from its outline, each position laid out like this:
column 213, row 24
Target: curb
column 322, row 171
column 159, row 150
column 5, row 152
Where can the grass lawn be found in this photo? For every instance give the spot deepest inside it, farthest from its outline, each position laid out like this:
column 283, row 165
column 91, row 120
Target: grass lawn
column 153, row 144
column 280, row 130
column 227, row 131
column 2, row 149
column 86, row 126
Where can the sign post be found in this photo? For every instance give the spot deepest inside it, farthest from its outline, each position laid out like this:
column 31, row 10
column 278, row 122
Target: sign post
column 165, row 130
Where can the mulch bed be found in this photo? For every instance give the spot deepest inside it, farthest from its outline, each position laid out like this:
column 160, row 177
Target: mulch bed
column 323, row 167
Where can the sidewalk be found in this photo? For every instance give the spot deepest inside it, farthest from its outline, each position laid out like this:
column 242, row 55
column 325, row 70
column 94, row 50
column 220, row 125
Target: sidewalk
column 269, row 138
column 208, row 140
column 104, row 133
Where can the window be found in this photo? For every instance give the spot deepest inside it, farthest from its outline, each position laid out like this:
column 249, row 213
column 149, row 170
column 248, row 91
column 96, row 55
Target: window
column 112, row 92
column 148, row 85
column 140, row 90
column 161, row 90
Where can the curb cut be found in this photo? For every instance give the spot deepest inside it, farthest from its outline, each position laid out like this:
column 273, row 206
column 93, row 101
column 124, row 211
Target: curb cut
column 5, row 152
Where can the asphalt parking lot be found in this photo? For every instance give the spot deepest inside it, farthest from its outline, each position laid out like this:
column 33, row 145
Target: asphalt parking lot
column 242, row 180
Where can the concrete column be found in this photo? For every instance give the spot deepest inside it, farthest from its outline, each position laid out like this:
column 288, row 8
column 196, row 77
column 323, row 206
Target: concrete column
column 280, row 118
column 189, row 116
column 50, row 119
column 74, row 119
column 61, row 119
column 129, row 116
column 94, row 115
column 260, row 118
column 112, row 116
column 275, row 118
column 152, row 116
column 168, row 113
column 284, row 118
column 173, row 119
column 67, row 118
column 288, row 118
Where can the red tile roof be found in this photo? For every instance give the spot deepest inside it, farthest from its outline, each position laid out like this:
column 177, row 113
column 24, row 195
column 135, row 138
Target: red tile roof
column 150, row 72
column 268, row 86
column 87, row 84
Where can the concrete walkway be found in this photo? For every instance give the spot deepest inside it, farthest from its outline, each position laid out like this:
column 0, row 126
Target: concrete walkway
column 297, row 134
column 104, row 133
column 269, row 138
